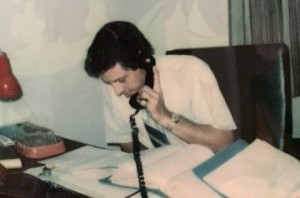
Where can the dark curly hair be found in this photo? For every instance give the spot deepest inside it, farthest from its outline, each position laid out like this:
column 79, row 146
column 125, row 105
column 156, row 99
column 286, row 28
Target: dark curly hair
column 117, row 42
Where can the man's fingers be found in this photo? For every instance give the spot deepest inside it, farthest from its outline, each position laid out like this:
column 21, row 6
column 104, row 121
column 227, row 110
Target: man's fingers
column 147, row 93
column 143, row 102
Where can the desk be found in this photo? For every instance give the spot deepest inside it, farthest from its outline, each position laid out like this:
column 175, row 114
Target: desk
column 21, row 185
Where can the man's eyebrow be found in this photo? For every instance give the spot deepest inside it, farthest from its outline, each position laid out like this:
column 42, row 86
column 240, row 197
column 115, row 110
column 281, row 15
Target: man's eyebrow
column 117, row 79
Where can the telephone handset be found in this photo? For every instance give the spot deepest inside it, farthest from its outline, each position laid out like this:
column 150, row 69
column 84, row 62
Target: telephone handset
column 147, row 65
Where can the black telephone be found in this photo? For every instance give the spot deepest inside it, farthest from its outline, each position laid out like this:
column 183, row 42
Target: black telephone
column 148, row 64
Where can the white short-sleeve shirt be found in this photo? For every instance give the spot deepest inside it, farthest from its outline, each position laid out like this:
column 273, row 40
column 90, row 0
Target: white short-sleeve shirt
column 189, row 88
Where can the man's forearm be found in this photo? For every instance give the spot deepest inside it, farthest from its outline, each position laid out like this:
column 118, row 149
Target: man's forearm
column 205, row 135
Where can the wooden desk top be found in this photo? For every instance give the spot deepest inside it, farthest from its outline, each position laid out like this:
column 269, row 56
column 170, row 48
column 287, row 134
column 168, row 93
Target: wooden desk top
column 19, row 184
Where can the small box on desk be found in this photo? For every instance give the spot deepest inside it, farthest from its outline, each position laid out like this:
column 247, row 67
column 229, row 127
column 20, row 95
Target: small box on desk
column 38, row 142
column 9, row 159
column 33, row 141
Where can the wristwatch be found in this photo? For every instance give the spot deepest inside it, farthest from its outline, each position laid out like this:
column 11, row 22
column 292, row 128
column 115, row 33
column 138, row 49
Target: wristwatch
column 175, row 118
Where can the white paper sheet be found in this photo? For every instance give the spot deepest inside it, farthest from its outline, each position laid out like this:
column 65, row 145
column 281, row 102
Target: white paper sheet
column 81, row 169
column 161, row 165
column 259, row 171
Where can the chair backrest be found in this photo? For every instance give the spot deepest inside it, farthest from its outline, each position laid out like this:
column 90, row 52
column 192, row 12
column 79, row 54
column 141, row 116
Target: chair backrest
column 255, row 82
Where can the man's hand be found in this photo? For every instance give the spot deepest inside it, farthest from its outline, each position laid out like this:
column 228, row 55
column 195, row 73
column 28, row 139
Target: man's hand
column 154, row 101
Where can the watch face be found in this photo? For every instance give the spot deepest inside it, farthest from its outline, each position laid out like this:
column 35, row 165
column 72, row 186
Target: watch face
column 175, row 117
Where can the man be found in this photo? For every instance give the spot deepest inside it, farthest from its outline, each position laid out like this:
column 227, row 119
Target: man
column 184, row 106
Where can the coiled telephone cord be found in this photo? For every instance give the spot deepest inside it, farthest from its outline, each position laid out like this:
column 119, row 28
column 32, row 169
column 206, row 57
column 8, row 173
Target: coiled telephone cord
column 137, row 157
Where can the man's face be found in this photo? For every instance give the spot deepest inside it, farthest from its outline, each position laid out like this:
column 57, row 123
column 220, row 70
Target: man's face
column 127, row 82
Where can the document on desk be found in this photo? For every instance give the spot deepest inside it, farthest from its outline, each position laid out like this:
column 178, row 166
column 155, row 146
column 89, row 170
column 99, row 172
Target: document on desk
column 177, row 171
column 259, row 171
column 81, row 169
column 239, row 170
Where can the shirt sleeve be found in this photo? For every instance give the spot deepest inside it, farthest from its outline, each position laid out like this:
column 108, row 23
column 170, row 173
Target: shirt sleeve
column 209, row 101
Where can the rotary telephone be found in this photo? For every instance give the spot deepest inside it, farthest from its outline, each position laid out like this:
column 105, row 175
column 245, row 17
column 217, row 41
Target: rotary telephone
column 148, row 64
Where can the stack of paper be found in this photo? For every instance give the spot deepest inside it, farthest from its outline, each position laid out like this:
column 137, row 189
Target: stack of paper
column 240, row 170
column 160, row 165
column 260, row 170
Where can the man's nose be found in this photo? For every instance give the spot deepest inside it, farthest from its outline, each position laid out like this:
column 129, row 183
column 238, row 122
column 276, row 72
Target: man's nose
column 118, row 88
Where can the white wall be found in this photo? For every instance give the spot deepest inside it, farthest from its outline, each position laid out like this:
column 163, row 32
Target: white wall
column 46, row 42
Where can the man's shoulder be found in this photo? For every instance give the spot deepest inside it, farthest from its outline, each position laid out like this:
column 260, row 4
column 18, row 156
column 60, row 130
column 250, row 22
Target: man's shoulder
column 181, row 62
column 177, row 58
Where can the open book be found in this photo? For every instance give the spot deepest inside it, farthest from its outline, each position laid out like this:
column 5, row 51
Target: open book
column 161, row 164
